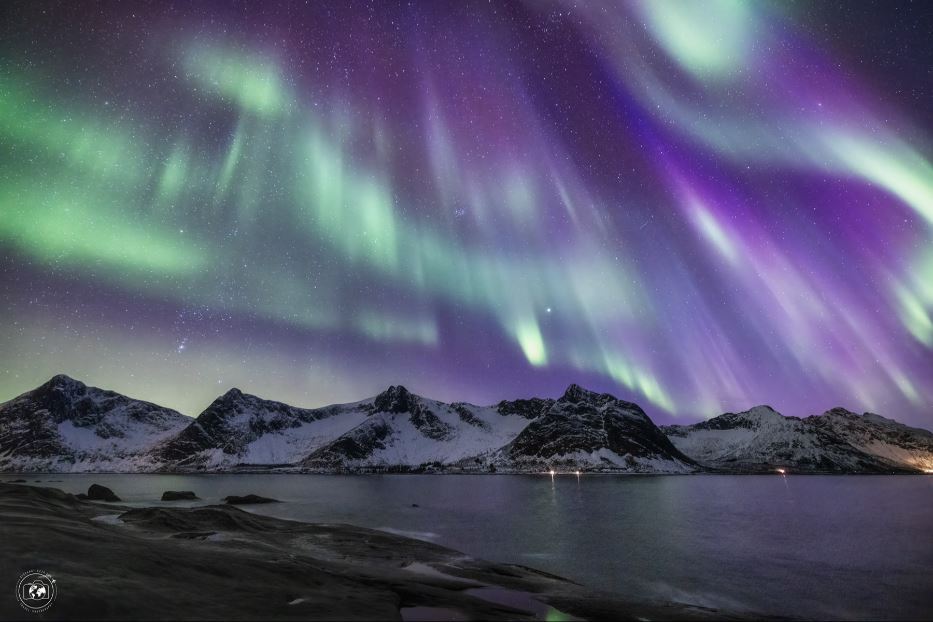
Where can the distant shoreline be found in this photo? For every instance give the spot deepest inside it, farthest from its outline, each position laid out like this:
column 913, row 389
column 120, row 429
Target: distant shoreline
column 466, row 473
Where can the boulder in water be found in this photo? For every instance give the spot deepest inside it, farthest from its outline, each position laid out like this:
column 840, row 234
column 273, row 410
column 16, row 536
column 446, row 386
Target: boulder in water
column 101, row 493
column 179, row 495
column 247, row 499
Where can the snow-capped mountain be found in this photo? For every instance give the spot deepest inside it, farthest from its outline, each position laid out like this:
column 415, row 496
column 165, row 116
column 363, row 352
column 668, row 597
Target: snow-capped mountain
column 65, row 425
column 593, row 431
column 761, row 440
column 407, row 430
column 581, row 430
column 239, row 429
column 879, row 436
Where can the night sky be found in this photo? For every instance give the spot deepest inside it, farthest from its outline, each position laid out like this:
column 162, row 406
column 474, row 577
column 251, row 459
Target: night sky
column 696, row 206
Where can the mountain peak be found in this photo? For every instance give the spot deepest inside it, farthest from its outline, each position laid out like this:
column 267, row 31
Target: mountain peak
column 576, row 393
column 63, row 380
column 60, row 387
column 763, row 410
column 395, row 399
column 223, row 406
column 232, row 394
column 839, row 411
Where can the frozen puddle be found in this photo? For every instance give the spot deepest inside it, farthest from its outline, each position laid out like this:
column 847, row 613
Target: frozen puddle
column 415, row 535
column 108, row 519
column 430, row 571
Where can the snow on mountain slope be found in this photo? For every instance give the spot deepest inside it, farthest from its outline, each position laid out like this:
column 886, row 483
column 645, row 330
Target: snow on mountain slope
column 407, row 430
column 879, row 436
column 761, row 439
column 240, row 429
column 67, row 426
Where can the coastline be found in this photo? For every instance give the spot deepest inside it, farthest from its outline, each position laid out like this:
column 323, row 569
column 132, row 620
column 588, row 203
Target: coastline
column 219, row 562
column 389, row 471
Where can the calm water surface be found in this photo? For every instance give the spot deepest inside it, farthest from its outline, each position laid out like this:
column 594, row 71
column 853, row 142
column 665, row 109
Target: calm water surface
column 842, row 547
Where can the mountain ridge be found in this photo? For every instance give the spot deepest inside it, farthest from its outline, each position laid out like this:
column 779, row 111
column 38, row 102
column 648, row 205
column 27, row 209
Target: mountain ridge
column 64, row 425
column 761, row 439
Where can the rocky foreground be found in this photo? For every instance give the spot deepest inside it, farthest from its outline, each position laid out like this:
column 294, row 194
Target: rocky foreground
column 112, row 562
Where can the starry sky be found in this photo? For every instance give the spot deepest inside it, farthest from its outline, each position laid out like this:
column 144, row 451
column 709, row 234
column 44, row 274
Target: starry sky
column 696, row 206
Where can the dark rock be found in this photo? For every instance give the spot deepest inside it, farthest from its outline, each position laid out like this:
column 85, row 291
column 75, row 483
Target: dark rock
column 17, row 481
column 218, row 518
column 576, row 393
column 429, row 424
column 193, row 535
column 395, row 399
column 101, row 493
column 357, row 444
column 247, row 499
column 82, row 496
column 41, row 494
column 467, row 416
column 415, row 505
column 529, row 409
column 178, row 495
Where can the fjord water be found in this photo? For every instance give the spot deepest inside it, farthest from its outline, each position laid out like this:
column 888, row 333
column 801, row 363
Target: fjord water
column 845, row 547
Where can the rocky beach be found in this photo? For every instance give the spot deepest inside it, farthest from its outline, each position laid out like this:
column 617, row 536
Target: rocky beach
column 113, row 562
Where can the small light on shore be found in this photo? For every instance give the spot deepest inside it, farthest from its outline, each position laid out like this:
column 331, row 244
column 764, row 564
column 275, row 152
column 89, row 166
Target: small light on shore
column 552, row 473
column 577, row 473
column 781, row 471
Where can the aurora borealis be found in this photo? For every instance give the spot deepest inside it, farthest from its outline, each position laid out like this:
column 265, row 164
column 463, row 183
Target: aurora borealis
column 696, row 206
